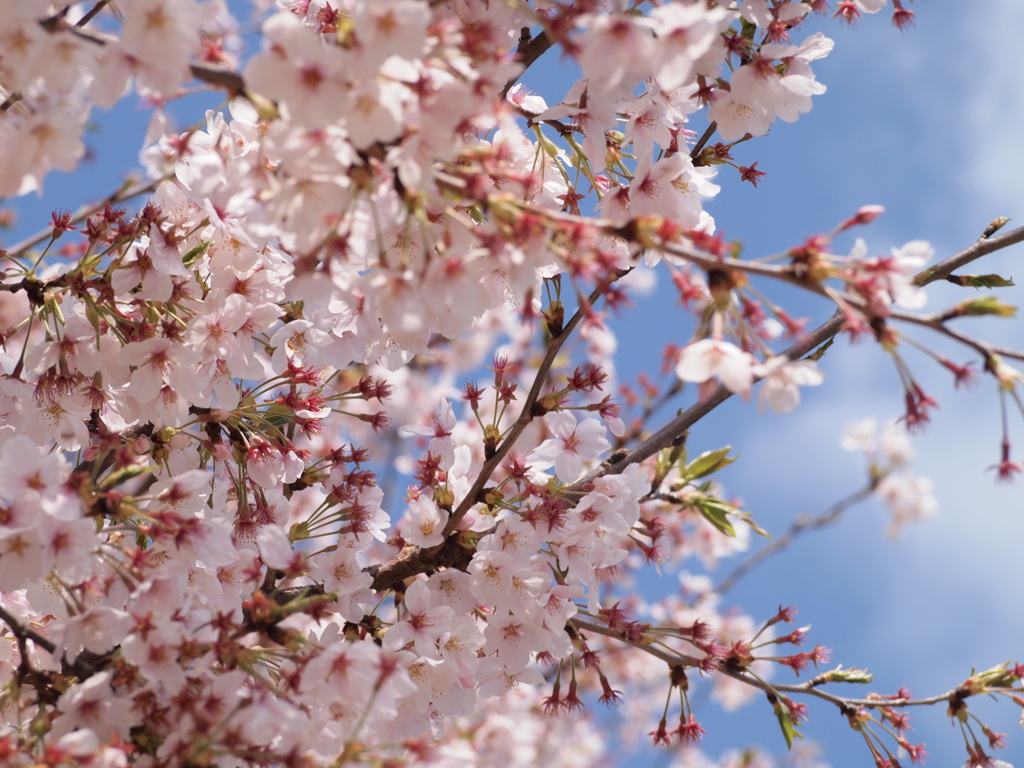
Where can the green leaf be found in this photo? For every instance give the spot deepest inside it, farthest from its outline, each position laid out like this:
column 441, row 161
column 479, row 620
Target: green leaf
column 747, row 518
column 788, row 731
column 984, row 305
column 708, row 462
column 124, row 474
column 820, row 351
column 717, row 513
column 278, row 415
column 980, row 281
column 194, row 253
column 1001, row 676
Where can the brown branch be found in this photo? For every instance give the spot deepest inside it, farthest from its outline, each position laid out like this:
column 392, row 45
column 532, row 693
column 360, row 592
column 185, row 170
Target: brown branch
column 937, row 323
column 221, row 77
column 87, row 210
column 530, row 49
column 810, row 687
column 12, row 98
column 803, row 524
column 418, row 560
column 703, row 140
column 26, row 633
column 676, row 429
column 983, row 247
column 92, row 12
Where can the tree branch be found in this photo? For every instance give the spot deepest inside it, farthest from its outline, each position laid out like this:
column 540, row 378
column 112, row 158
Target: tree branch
column 81, row 668
column 530, row 49
column 674, row 431
column 415, row 560
column 803, row 524
column 418, row 560
column 983, row 247
column 809, row 687
column 938, row 324
column 25, row 633
column 84, row 212
column 221, row 77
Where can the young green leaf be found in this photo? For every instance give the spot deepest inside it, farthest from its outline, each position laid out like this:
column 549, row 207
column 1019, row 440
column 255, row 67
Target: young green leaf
column 707, row 463
column 980, row 281
column 717, row 513
column 788, row 731
column 194, row 253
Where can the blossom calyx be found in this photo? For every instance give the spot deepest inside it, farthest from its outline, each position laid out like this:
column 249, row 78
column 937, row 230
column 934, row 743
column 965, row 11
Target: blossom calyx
column 444, row 497
column 678, row 679
column 1007, row 375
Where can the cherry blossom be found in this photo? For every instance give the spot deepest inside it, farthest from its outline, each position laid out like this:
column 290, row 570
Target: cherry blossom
column 708, row 358
column 570, row 446
column 782, row 380
column 219, row 546
column 424, row 526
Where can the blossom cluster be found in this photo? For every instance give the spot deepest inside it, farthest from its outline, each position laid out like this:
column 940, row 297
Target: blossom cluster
column 205, row 554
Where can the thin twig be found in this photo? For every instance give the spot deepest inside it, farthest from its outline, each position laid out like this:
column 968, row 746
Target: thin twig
column 938, row 324
column 669, row 434
column 125, row 193
column 649, row 410
column 704, row 139
column 983, row 247
column 810, row 687
column 803, row 524
column 529, row 50
column 91, row 13
column 676, row 428
column 416, row 559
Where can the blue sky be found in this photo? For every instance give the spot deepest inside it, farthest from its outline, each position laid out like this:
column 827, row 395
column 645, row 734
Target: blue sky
column 928, row 124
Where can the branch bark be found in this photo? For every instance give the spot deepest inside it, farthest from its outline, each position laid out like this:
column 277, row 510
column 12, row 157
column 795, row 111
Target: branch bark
column 417, row 560
column 530, row 49
column 810, row 687
column 675, row 430
column 803, row 524
column 983, row 247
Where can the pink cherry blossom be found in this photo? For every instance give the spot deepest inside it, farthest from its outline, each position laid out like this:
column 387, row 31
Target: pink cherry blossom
column 423, row 625
column 570, row 446
column 424, row 523
column 782, row 380
column 377, row 222
column 708, row 358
